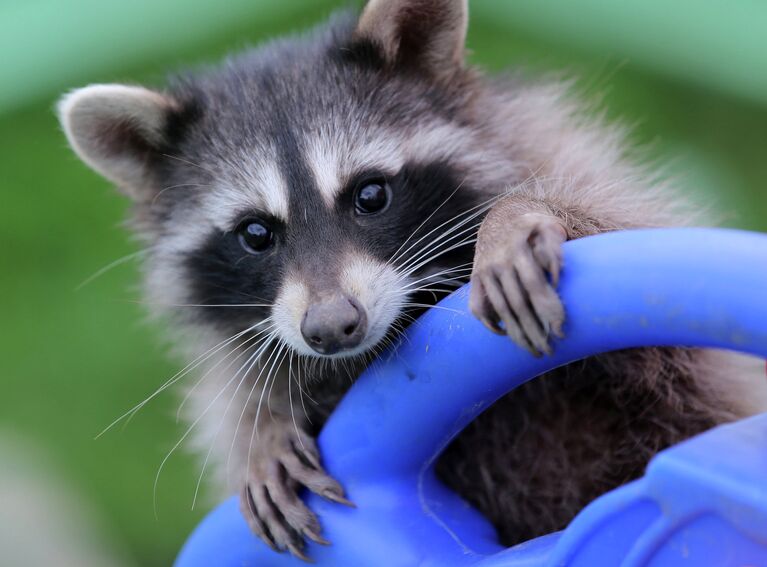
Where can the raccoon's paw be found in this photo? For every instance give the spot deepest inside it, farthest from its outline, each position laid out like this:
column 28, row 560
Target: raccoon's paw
column 510, row 284
column 283, row 460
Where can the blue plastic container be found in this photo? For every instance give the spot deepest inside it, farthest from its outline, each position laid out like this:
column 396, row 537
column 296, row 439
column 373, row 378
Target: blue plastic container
column 702, row 503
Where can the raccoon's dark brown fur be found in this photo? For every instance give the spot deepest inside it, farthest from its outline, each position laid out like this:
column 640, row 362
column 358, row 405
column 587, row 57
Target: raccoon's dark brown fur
column 571, row 435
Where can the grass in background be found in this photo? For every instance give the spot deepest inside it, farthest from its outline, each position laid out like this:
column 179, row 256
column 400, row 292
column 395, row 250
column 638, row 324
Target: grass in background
column 72, row 361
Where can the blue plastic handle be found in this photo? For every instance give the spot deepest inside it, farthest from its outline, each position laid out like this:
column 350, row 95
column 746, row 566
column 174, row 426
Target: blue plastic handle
column 664, row 287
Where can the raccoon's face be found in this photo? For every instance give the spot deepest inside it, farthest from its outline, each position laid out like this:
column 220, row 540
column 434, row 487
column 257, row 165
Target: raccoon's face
column 310, row 187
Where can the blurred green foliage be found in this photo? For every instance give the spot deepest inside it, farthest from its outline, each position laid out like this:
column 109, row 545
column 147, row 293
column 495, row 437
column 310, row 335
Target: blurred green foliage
column 73, row 360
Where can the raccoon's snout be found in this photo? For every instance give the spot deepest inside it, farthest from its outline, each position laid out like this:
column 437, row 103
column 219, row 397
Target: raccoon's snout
column 334, row 324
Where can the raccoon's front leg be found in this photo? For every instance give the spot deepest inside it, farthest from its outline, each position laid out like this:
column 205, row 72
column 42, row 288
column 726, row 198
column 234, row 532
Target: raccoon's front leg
column 516, row 271
column 280, row 460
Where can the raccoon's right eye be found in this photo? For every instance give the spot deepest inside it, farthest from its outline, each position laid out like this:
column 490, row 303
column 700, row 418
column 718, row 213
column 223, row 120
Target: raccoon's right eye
column 255, row 236
column 372, row 197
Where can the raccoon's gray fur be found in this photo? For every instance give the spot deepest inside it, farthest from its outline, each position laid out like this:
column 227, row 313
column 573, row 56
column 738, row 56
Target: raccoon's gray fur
column 253, row 184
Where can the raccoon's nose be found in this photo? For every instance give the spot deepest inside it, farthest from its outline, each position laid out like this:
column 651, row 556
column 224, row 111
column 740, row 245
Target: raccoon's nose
column 334, row 324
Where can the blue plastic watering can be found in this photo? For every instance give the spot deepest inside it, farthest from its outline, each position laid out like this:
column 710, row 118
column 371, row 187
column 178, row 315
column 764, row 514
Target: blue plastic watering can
column 702, row 502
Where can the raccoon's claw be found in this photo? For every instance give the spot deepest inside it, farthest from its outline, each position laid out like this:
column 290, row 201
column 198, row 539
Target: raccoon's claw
column 281, row 462
column 510, row 292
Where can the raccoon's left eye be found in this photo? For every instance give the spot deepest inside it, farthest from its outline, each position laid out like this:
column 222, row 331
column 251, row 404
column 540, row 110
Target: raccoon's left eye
column 372, row 197
column 255, row 236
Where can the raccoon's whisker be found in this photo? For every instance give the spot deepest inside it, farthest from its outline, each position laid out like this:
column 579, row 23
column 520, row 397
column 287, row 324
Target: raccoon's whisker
column 301, row 393
column 434, row 290
column 249, row 362
column 451, row 281
column 391, row 342
column 455, row 280
column 409, row 317
column 406, row 316
column 210, row 370
column 457, row 220
column 443, row 238
column 252, row 360
column 183, row 438
column 290, row 398
column 186, row 161
column 428, row 306
column 274, row 356
column 335, row 365
column 381, row 347
column 467, row 242
column 466, row 267
column 208, row 304
column 393, row 257
column 205, row 375
column 119, row 262
column 348, row 367
column 232, row 291
column 215, row 436
column 399, row 333
column 274, row 379
column 176, row 377
column 435, row 249
column 370, row 355
column 308, row 377
column 470, row 213
column 164, row 189
column 313, row 363
column 315, row 368
column 254, row 296
column 447, row 276
column 440, row 239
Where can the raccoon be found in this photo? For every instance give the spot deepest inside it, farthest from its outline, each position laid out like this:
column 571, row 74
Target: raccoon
column 303, row 201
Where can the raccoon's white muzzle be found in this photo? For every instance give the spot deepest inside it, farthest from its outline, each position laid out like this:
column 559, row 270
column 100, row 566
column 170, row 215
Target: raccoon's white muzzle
column 350, row 318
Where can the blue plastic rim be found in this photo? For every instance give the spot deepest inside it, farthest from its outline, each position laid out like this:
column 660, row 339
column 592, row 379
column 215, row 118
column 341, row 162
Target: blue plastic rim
column 660, row 287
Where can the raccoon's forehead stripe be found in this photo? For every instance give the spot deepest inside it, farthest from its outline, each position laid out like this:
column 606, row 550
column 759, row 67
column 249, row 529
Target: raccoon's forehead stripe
column 302, row 191
column 333, row 161
column 258, row 187
column 273, row 190
column 324, row 163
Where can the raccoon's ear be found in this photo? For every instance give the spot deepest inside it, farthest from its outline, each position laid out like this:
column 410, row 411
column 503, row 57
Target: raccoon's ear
column 426, row 34
column 119, row 131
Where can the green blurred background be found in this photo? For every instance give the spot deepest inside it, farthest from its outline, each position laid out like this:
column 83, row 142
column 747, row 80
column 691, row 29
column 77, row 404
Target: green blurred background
column 689, row 76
